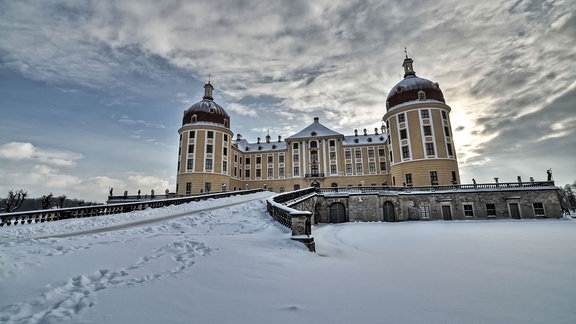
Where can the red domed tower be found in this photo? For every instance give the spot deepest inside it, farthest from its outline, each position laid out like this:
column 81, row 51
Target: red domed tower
column 205, row 142
column 420, row 143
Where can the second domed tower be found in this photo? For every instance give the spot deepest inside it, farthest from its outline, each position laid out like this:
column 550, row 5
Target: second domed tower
column 421, row 146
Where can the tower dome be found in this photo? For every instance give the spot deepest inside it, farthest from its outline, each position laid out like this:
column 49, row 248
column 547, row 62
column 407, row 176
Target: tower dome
column 413, row 88
column 206, row 110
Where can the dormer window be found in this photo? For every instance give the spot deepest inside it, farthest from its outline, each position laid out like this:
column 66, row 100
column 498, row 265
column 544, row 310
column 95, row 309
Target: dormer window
column 314, row 134
column 212, row 110
column 194, row 118
column 274, row 146
column 421, row 95
column 399, row 89
column 259, row 147
column 370, row 139
column 355, row 140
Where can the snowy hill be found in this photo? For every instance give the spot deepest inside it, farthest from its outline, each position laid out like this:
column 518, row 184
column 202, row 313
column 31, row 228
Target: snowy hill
column 226, row 261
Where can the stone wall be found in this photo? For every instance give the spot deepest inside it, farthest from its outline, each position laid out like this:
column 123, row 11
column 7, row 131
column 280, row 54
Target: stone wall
column 439, row 205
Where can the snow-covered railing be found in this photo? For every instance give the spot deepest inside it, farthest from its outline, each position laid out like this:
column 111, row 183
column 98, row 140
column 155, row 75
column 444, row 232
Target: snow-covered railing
column 300, row 222
column 517, row 185
column 49, row 215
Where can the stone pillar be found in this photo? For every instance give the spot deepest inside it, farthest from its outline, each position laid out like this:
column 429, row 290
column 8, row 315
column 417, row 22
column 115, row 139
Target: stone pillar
column 302, row 228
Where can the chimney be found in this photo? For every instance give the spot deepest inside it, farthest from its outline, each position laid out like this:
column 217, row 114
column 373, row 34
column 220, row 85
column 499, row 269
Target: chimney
column 238, row 137
column 316, row 119
column 268, row 138
column 365, row 133
column 279, row 138
column 355, row 132
column 376, row 131
column 258, row 142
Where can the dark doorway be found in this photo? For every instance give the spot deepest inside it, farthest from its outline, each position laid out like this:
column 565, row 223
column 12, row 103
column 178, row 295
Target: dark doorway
column 514, row 210
column 388, row 212
column 337, row 213
column 446, row 212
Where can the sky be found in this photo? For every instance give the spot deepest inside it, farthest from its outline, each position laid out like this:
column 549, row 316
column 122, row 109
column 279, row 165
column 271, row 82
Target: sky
column 226, row 261
column 92, row 93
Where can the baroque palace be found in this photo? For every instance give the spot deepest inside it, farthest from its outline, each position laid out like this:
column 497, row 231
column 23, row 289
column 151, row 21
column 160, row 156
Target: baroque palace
column 407, row 170
column 413, row 148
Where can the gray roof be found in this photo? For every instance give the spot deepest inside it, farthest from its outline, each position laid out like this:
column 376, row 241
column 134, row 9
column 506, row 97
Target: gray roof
column 243, row 145
column 375, row 139
column 315, row 130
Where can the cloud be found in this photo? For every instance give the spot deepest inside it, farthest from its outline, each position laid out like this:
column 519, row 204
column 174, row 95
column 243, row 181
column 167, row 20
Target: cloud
column 125, row 120
column 27, row 151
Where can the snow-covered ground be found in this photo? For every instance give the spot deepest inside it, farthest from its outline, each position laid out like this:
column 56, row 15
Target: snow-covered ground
column 198, row 263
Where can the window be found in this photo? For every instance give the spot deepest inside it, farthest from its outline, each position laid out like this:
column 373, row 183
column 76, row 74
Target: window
column 190, row 164
column 296, row 171
column 247, row 173
column 358, row 168
column 258, row 160
column 433, row 178
column 192, row 134
column 224, row 166
column 332, row 143
column 429, row 148
column 370, row 153
column 270, row 173
column 295, row 146
column 313, row 144
column 348, row 154
column 424, row 113
column 207, row 186
column 348, row 168
column 210, row 134
column 270, row 159
column 425, row 212
column 444, row 116
column 248, row 161
column 403, row 134
column 190, row 148
column 538, row 209
column 225, row 151
column 208, row 164
column 225, row 137
column 372, row 167
column 447, row 131
column 258, row 173
column 314, row 155
column 296, row 158
column 280, row 158
column 194, row 118
column 421, row 95
column 405, row 152
column 454, row 176
column 358, row 154
column 188, row 188
column 381, row 152
column 209, row 148
column 382, row 166
column 332, row 155
column 427, row 130
column 490, row 210
column 401, row 118
column 408, row 177
column 281, row 172
column 449, row 148
column 333, row 169
column 468, row 210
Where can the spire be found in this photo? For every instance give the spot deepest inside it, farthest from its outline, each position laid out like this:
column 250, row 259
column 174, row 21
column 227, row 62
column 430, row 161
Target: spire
column 408, row 69
column 208, row 88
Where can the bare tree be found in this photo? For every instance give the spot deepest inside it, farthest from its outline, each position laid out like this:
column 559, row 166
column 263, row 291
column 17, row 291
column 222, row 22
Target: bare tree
column 46, row 201
column 15, row 199
column 61, row 201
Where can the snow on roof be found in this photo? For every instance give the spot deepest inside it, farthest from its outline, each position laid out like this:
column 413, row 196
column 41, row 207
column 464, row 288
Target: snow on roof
column 411, row 102
column 243, row 145
column 351, row 140
column 315, row 130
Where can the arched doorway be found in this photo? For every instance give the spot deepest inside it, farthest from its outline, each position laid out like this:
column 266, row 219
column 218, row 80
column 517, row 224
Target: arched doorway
column 388, row 212
column 337, row 213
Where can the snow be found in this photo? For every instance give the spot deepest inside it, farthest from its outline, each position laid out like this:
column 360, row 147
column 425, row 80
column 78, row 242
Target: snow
column 226, row 261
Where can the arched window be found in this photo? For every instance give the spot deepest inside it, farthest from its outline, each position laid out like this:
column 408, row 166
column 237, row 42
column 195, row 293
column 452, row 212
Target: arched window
column 194, row 118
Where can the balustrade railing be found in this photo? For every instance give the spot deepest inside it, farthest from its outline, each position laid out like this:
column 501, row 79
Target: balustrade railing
column 48, row 215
